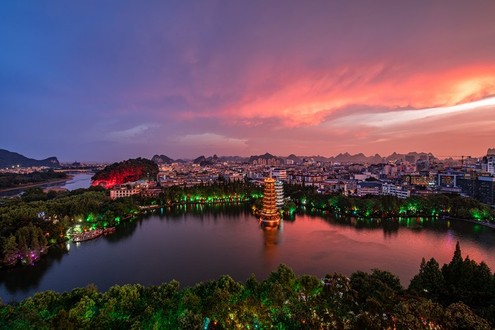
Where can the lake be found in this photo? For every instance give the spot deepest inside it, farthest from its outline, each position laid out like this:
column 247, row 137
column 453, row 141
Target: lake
column 201, row 243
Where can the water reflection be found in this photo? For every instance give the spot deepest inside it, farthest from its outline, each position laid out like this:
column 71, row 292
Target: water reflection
column 201, row 242
column 26, row 279
column 271, row 234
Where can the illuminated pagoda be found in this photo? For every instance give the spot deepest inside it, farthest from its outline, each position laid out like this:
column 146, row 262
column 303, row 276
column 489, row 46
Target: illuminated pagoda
column 269, row 212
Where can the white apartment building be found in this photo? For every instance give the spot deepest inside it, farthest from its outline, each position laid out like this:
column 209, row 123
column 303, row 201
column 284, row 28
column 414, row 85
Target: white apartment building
column 395, row 190
column 279, row 194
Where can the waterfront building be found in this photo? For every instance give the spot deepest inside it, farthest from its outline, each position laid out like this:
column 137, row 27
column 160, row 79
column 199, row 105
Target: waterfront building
column 335, row 186
column 279, row 194
column 123, row 191
column 486, row 189
column 269, row 212
column 481, row 188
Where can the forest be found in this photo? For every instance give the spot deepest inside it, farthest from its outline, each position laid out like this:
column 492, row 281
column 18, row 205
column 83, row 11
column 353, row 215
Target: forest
column 458, row 295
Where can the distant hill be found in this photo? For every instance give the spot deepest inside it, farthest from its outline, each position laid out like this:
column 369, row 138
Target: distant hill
column 295, row 159
column 344, row 158
column 376, row 159
column 162, row 159
column 237, row 159
column 203, row 161
column 9, row 158
column 267, row 157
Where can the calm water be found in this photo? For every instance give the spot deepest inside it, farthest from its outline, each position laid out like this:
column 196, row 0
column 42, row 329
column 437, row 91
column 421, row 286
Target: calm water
column 203, row 244
column 79, row 180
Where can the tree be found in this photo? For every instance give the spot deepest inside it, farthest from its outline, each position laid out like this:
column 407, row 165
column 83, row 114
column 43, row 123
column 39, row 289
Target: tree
column 460, row 316
column 467, row 281
column 418, row 313
column 377, row 294
column 429, row 282
column 10, row 251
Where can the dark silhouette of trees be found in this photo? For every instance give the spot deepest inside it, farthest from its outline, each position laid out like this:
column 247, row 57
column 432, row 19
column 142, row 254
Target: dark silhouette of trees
column 284, row 300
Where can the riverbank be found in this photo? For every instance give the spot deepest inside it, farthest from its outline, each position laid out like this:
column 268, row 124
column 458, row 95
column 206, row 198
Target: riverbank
column 476, row 222
column 33, row 185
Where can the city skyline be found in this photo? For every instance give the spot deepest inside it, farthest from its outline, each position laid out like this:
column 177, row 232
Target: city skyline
column 106, row 82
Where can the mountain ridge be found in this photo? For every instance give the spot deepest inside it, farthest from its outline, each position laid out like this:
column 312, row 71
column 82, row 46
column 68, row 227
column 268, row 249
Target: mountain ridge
column 345, row 157
column 10, row 158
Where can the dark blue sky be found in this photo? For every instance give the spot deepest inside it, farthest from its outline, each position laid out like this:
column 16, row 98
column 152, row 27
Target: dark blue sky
column 110, row 80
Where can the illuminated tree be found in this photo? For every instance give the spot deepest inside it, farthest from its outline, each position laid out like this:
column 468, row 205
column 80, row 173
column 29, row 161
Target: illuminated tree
column 10, row 251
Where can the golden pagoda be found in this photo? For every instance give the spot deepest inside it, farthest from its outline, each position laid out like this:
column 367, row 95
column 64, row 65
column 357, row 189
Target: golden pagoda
column 269, row 212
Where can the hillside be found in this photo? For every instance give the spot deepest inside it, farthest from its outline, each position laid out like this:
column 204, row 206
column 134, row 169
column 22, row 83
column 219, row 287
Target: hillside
column 126, row 171
column 9, row 159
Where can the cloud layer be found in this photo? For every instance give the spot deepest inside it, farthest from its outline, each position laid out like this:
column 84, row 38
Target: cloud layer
column 117, row 80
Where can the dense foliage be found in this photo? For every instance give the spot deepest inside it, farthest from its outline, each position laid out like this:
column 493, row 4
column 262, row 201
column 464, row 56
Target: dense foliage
column 452, row 205
column 10, row 180
column 222, row 191
column 459, row 296
column 126, row 171
column 30, row 223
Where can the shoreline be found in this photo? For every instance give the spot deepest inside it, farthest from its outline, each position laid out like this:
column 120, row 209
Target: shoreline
column 33, row 185
column 474, row 222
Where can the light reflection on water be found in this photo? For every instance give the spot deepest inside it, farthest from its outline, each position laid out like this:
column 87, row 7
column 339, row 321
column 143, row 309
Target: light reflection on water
column 198, row 243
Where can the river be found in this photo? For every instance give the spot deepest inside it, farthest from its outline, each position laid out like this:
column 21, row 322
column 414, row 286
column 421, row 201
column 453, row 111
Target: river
column 76, row 181
column 202, row 243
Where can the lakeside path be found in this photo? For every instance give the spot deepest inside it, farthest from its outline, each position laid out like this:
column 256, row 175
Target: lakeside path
column 32, row 185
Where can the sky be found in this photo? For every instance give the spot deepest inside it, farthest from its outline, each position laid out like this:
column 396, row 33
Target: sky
column 111, row 80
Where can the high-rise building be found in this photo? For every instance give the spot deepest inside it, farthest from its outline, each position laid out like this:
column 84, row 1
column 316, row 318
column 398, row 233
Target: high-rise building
column 488, row 164
column 279, row 174
column 486, row 189
column 270, row 212
column 279, row 194
column 480, row 187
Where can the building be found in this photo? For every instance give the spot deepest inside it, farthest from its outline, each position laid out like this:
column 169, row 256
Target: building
column 123, row 191
column 488, row 164
column 448, row 179
column 279, row 174
column 468, row 184
column 486, row 190
column 418, row 180
column 369, row 188
column 481, row 188
column 269, row 212
column 395, row 190
column 279, row 194
column 334, row 186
